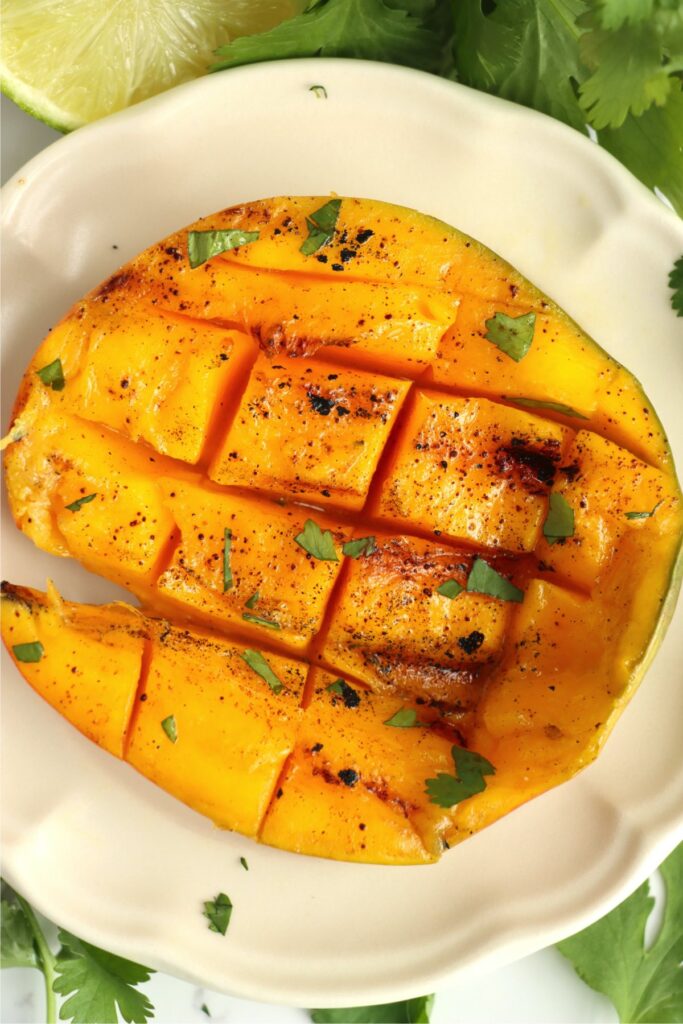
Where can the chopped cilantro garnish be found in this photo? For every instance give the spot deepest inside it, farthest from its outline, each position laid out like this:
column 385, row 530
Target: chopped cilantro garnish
column 52, row 375
column 317, row 542
column 258, row 620
column 30, row 652
column 203, row 245
column 170, row 728
column 78, row 504
column 483, row 579
column 321, row 227
column 450, row 588
column 227, row 570
column 243, row 862
column 644, row 515
column 512, row 334
column 362, row 546
column 404, row 718
column 218, row 912
column 559, row 523
column 534, row 403
column 258, row 664
column 470, row 769
column 253, row 600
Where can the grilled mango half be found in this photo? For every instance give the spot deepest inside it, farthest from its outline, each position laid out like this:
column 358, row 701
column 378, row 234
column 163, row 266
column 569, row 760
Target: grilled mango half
column 403, row 537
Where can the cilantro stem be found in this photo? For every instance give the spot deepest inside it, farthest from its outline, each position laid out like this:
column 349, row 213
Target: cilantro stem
column 46, row 958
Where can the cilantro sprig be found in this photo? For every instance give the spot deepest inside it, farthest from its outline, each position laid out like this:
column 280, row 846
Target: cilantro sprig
column 645, row 984
column 96, row 986
column 612, row 65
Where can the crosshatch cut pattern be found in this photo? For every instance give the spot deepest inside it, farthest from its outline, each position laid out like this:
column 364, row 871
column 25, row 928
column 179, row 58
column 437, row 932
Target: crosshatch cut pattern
column 400, row 531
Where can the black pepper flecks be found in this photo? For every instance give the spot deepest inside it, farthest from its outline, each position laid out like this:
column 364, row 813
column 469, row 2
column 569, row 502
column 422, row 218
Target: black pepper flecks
column 350, row 696
column 348, row 776
column 472, row 642
column 321, row 405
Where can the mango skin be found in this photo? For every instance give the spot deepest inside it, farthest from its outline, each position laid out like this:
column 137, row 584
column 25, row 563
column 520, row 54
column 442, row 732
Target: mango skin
column 347, row 370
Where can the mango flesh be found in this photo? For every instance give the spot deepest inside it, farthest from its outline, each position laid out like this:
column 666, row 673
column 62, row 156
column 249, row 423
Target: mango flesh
column 208, row 415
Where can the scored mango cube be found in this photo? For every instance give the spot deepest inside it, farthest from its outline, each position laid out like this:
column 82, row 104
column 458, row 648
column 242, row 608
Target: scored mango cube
column 547, row 682
column 309, row 430
column 604, row 485
column 172, row 392
column 85, row 491
column 227, row 733
column 356, row 784
column 284, row 585
column 395, row 631
column 473, row 470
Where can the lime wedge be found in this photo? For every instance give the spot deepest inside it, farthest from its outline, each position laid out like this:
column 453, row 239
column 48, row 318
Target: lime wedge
column 69, row 62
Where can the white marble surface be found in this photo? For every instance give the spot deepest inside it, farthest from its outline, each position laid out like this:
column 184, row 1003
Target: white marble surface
column 541, row 988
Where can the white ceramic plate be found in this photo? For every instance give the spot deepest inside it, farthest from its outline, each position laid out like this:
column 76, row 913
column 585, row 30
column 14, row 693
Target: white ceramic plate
column 122, row 864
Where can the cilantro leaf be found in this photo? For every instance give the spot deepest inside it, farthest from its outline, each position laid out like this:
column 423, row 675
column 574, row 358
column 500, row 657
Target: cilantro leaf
column 78, row 504
column 52, row 375
column 450, row 588
column 407, row 1011
column 243, row 862
column 651, row 146
column 609, row 95
column 362, row 546
column 321, row 227
column 511, row 334
column 227, row 569
column 676, row 286
column 170, row 728
column 97, row 982
column 644, row 985
column 615, row 13
column 16, row 936
column 643, row 515
column 317, row 542
column 534, row 403
column 30, row 652
column 259, row 620
column 523, row 50
column 364, row 29
column 483, row 579
column 470, row 769
column 218, row 913
column 559, row 522
column 203, row 245
column 258, row 664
